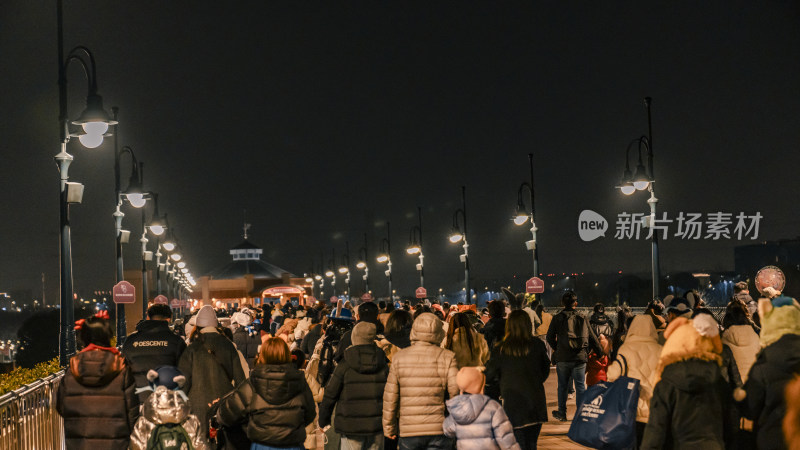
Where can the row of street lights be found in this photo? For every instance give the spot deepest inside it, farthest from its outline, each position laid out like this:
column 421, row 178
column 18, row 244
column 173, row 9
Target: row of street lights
column 95, row 122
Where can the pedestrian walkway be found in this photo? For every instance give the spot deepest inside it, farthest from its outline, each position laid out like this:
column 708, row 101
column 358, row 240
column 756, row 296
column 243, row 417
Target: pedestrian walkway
column 554, row 433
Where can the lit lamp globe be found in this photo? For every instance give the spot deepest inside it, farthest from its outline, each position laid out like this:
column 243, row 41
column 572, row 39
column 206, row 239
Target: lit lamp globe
column 158, row 230
column 329, row 273
column 136, row 199
column 413, row 250
column 627, row 188
column 169, row 246
column 175, row 256
column 456, row 237
column 520, row 219
column 181, row 265
column 383, row 258
column 91, row 140
column 343, row 270
column 361, row 265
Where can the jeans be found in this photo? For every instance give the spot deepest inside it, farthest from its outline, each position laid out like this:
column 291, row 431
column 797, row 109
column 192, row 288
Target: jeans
column 257, row 446
column 374, row 442
column 436, row 442
column 567, row 372
column 527, row 437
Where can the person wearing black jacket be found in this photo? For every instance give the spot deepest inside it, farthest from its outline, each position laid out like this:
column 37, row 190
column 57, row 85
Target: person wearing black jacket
column 366, row 312
column 356, row 390
column 275, row 403
column 495, row 327
column 152, row 345
column 570, row 359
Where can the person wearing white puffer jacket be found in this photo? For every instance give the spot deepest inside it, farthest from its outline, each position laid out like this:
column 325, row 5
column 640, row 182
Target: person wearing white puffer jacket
column 640, row 351
column 741, row 337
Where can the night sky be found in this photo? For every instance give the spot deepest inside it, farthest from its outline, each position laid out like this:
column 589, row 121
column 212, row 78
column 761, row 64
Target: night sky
column 324, row 120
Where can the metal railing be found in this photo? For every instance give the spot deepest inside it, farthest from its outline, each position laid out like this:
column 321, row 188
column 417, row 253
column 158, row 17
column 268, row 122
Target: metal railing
column 611, row 311
column 28, row 417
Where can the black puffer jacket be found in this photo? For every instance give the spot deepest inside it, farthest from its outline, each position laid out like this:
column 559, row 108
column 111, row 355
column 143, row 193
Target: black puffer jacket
column 356, row 389
column 493, row 331
column 521, row 383
column 276, row 403
column 688, row 408
column 97, row 401
column 152, row 345
column 775, row 365
column 247, row 344
column 601, row 324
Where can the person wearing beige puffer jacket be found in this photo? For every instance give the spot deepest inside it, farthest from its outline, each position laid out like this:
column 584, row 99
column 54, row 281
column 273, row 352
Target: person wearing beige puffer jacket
column 421, row 378
column 641, row 351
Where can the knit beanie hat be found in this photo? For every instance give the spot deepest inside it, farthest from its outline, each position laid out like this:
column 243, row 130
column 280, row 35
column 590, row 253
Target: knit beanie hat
column 206, row 317
column 779, row 316
column 363, row 333
column 470, row 380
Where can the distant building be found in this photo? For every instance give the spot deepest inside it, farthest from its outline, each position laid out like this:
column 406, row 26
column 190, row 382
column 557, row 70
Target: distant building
column 249, row 280
column 748, row 259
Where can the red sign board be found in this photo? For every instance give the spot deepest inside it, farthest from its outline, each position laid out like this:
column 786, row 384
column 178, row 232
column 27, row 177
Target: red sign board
column 160, row 300
column 534, row 286
column 367, row 297
column 175, row 303
column 124, row 292
column 421, row 292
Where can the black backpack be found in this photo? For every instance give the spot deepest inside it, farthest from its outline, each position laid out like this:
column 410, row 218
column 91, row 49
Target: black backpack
column 169, row 436
column 576, row 331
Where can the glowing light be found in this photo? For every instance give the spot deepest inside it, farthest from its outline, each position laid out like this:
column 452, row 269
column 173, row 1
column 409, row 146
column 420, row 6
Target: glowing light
column 361, row 265
column 329, row 273
column 627, row 189
column 641, row 185
column 456, row 237
column 175, row 256
column 91, row 140
column 158, row 230
column 181, row 265
column 413, row 250
column 136, row 200
column 169, row 246
column 520, row 219
column 95, row 127
column 383, row 258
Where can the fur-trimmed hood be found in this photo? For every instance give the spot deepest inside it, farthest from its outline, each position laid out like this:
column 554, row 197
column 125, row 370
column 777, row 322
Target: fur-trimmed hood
column 684, row 342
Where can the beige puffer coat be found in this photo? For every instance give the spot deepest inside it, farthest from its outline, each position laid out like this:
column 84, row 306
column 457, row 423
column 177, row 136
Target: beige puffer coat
column 641, row 350
column 426, row 375
column 744, row 344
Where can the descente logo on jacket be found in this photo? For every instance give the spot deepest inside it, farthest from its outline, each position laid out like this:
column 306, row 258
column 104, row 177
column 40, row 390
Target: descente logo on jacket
column 151, row 344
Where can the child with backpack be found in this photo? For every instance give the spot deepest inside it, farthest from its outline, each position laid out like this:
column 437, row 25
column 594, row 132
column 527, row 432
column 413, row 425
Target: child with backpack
column 475, row 420
column 166, row 421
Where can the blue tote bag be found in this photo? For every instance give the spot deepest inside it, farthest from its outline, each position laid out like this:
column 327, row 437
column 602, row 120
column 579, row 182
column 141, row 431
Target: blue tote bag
column 607, row 417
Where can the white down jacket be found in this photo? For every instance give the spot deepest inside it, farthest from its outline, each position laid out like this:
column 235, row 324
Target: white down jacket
column 641, row 351
column 744, row 344
column 421, row 378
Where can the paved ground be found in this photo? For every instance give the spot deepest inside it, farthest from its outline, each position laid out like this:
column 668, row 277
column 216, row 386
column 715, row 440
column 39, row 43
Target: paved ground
column 554, row 433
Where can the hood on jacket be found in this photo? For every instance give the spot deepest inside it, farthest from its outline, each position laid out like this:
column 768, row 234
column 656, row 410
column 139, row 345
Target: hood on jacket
column 427, row 328
column 692, row 375
column 465, row 408
column 96, row 367
column 642, row 327
column 166, row 406
column 367, row 358
column 150, row 325
column 277, row 383
column 740, row 336
column 684, row 342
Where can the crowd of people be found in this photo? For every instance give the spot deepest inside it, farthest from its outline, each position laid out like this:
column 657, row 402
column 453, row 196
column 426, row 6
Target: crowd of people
column 433, row 375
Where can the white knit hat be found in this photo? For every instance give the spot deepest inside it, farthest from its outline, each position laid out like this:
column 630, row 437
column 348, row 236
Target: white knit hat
column 206, row 317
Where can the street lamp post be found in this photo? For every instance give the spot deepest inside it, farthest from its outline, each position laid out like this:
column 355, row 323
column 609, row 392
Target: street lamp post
column 522, row 217
column 457, row 236
column 94, row 121
column 344, row 269
column 644, row 178
column 415, row 247
column 330, row 273
column 362, row 264
column 386, row 257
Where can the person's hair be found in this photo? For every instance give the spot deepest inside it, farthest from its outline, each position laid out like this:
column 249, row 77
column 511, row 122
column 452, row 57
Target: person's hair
column 539, row 309
column 497, row 309
column 389, row 307
column 368, row 312
column 519, row 334
column 96, row 331
column 421, row 310
column 298, row 358
column 460, row 320
column 274, row 351
column 736, row 313
column 569, row 299
column 656, row 307
column 382, row 305
column 225, row 331
column 397, row 321
column 599, row 308
column 740, row 286
column 159, row 311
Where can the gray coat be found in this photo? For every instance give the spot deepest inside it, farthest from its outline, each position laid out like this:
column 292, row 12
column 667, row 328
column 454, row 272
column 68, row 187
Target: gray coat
column 478, row 423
